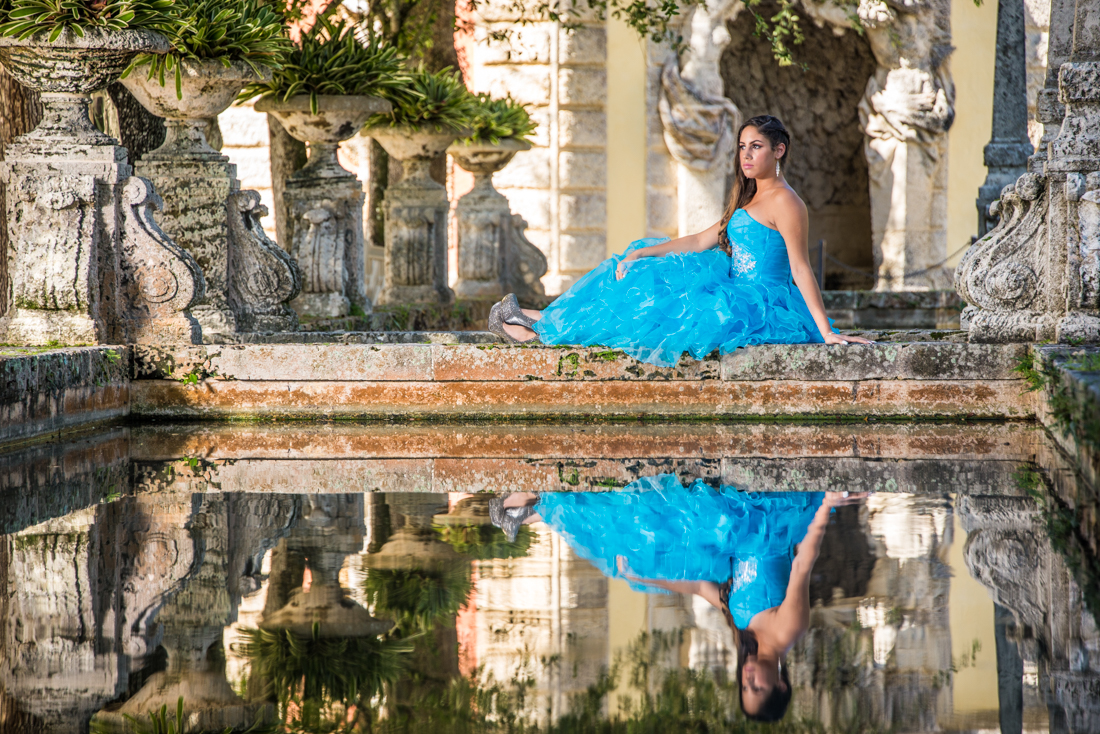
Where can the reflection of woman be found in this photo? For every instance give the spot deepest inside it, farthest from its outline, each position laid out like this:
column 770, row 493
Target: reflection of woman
column 735, row 549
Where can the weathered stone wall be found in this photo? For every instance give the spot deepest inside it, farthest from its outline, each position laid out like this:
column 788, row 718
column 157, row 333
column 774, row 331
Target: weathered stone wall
column 559, row 186
column 53, row 391
column 818, row 104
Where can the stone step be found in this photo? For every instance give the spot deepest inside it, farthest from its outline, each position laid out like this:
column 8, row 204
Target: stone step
column 491, row 381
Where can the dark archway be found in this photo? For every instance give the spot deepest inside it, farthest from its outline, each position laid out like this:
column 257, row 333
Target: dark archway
column 817, row 99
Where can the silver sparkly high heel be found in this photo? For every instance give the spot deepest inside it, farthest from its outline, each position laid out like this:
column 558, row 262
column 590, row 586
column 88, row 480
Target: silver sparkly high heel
column 496, row 326
column 508, row 519
column 512, row 313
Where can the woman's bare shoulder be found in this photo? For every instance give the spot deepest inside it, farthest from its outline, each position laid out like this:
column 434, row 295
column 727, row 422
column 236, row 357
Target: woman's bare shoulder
column 786, row 201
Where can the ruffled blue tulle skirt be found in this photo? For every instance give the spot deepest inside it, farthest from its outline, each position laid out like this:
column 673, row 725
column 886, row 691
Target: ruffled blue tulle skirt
column 670, row 305
column 666, row 531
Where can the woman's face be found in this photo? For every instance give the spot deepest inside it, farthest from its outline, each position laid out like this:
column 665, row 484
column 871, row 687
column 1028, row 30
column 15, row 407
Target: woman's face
column 757, row 682
column 756, row 155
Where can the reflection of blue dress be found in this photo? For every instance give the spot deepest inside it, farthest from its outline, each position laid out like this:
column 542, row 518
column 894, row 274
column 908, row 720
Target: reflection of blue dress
column 696, row 302
column 674, row 533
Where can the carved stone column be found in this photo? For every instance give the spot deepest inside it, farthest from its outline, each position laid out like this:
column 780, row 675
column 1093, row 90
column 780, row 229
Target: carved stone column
column 86, row 263
column 248, row 278
column 1007, row 152
column 324, row 203
column 1036, row 275
column 416, row 219
column 494, row 256
column 905, row 113
column 700, row 123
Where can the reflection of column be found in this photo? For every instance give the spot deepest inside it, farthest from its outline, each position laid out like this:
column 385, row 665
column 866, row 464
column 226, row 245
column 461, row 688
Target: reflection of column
column 548, row 604
column 1010, row 673
column 1007, row 152
column 60, row 661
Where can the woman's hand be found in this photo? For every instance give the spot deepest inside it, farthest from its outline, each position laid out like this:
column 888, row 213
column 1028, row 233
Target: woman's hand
column 834, row 338
column 620, row 271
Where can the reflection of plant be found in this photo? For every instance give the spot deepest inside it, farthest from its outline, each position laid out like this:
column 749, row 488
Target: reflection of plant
column 335, row 58
column 418, row 597
column 494, row 119
column 485, row 542
column 227, row 30
column 24, row 18
column 159, row 723
column 438, row 100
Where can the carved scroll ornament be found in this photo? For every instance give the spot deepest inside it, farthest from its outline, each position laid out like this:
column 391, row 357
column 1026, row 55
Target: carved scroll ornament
column 700, row 130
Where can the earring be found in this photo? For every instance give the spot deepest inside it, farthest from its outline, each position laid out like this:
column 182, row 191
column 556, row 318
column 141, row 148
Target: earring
column 776, row 166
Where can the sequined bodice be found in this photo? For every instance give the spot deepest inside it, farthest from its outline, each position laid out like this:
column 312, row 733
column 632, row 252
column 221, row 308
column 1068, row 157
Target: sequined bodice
column 757, row 252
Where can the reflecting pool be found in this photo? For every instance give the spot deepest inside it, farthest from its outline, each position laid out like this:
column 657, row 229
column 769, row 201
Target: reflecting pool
column 496, row 578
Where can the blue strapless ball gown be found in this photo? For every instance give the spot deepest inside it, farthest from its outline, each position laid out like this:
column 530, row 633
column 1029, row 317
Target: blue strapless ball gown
column 694, row 303
column 674, row 533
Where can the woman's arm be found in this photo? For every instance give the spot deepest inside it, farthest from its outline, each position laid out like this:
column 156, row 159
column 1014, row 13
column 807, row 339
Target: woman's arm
column 698, row 242
column 794, row 224
column 706, row 589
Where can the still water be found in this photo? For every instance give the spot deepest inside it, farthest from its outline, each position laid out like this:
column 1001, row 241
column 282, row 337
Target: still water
column 302, row 578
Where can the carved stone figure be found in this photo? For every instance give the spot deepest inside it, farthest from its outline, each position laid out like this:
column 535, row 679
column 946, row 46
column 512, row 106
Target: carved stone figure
column 416, row 210
column 494, row 257
column 79, row 250
column 1034, row 277
column 324, row 203
column 203, row 204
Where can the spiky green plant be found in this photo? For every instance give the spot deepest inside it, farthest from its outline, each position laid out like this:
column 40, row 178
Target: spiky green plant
column 249, row 31
column 333, row 57
column 494, row 119
column 437, row 100
column 416, row 598
column 485, row 542
column 24, row 18
column 343, row 669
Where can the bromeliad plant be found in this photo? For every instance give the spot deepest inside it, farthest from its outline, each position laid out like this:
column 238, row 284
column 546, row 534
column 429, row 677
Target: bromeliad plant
column 248, row 31
column 334, row 58
column 495, row 119
column 438, row 100
column 22, row 19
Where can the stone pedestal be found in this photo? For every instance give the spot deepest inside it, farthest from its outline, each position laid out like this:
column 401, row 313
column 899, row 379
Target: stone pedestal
column 249, row 279
column 324, row 203
column 494, row 257
column 416, row 210
column 87, row 263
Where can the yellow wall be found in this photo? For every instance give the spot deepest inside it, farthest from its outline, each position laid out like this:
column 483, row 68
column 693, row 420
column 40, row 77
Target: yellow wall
column 971, row 618
column 974, row 35
column 627, row 612
column 626, row 140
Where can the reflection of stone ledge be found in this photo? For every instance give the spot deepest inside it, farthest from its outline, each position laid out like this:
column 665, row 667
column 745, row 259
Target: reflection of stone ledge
column 1069, row 404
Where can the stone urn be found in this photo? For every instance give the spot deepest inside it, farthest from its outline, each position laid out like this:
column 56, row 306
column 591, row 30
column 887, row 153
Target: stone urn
column 207, row 89
column 324, row 202
column 66, row 71
column 494, row 256
column 416, row 210
column 249, row 279
column 88, row 263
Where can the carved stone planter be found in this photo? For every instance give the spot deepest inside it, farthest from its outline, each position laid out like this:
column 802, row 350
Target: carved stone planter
column 324, row 203
column 87, row 263
column 249, row 278
column 494, row 256
column 416, row 210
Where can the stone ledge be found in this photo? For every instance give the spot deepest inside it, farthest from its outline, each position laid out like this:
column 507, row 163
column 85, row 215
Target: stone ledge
column 498, row 363
column 44, row 392
column 379, row 400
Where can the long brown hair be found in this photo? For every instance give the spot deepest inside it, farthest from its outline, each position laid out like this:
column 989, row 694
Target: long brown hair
column 744, row 188
column 775, row 707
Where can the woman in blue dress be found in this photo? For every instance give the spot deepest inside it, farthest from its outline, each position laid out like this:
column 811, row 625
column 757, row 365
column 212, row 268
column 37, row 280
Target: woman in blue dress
column 730, row 285
column 747, row 553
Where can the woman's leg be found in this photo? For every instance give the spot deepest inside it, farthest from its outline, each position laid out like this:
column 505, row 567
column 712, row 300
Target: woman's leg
column 522, row 333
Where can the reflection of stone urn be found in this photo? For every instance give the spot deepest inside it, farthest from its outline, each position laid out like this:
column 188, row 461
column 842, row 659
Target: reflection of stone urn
column 249, row 278
column 416, row 209
column 87, row 263
column 324, row 202
column 494, row 257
